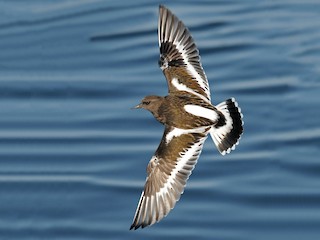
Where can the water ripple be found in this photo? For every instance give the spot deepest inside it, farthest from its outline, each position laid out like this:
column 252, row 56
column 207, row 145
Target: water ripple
column 73, row 155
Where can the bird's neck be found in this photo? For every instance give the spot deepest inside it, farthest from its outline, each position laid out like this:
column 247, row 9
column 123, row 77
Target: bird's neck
column 161, row 119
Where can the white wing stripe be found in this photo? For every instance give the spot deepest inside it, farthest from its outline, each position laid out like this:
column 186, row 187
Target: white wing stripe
column 176, row 132
column 202, row 112
column 191, row 69
column 182, row 87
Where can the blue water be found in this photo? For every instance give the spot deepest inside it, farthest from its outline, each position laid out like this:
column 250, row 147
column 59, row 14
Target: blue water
column 73, row 155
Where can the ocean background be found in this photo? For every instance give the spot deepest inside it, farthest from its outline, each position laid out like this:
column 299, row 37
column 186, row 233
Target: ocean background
column 73, row 155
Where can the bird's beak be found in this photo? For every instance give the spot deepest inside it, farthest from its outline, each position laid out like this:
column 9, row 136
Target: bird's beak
column 136, row 107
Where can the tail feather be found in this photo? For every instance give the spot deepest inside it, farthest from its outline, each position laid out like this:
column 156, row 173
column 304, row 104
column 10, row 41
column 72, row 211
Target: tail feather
column 227, row 132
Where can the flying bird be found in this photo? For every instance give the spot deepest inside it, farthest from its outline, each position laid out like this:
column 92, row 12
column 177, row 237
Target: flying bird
column 188, row 117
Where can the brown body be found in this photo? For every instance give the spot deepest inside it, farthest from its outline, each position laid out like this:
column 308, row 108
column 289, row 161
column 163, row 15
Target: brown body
column 169, row 110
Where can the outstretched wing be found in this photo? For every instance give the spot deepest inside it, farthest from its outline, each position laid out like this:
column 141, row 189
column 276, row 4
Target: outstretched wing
column 167, row 174
column 179, row 57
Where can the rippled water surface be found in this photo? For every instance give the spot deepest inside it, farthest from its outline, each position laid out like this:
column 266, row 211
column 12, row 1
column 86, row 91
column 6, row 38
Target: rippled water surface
column 73, row 155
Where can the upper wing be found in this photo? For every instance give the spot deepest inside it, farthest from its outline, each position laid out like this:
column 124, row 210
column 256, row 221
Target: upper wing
column 168, row 172
column 179, row 57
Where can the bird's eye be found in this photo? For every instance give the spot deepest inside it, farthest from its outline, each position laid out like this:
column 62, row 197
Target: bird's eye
column 146, row 103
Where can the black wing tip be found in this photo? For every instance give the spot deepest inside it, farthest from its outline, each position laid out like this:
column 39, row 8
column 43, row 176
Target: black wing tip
column 134, row 227
column 161, row 6
column 165, row 10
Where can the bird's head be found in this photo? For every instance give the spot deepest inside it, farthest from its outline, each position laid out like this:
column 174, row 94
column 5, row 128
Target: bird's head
column 151, row 103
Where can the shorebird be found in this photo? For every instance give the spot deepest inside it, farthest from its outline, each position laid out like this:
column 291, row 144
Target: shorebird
column 188, row 117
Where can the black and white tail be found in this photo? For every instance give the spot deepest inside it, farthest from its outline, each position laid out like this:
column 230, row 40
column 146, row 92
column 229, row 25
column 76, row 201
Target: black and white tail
column 227, row 132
